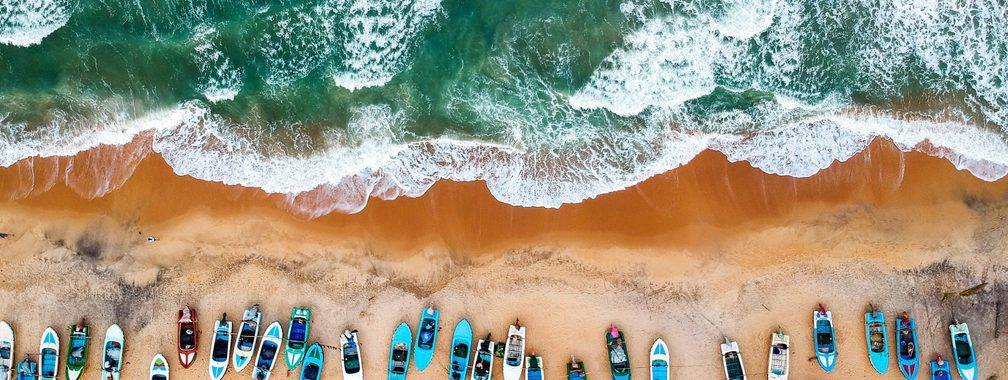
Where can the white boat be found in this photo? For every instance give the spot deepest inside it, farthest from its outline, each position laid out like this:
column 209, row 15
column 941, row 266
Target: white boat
column 351, row 354
column 659, row 360
column 779, row 362
column 248, row 332
column 483, row 361
column 6, row 351
column 159, row 368
column 514, row 352
column 113, row 353
column 219, row 355
column 731, row 357
column 49, row 348
column 270, row 345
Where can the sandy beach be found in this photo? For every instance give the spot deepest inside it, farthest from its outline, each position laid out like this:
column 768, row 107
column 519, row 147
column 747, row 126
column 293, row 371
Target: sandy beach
column 708, row 250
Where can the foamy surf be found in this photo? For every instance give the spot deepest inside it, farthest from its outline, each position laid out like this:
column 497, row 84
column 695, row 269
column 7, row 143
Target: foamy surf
column 27, row 22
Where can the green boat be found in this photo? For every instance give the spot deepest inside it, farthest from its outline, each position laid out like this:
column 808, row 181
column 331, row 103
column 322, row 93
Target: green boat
column 77, row 350
column 619, row 359
column 297, row 337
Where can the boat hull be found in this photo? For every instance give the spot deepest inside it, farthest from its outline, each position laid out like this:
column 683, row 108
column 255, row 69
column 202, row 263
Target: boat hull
column 78, row 342
column 222, row 340
column 731, row 359
column 158, row 367
column 462, row 338
column 619, row 357
column 348, row 342
column 659, row 360
column 907, row 356
column 877, row 341
column 533, row 367
column 424, row 344
column 399, row 366
column 297, row 342
column 272, row 340
column 241, row 356
column 825, row 340
column 313, row 363
column 779, row 361
column 7, row 343
column 112, row 355
column 940, row 371
column 963, row 350
column 49, row 348
column 514, row 353
column 187, row 330
column 484, row 357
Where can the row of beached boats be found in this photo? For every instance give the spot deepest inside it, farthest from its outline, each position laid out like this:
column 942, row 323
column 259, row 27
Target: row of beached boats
column 48, row 363
column 877, row 339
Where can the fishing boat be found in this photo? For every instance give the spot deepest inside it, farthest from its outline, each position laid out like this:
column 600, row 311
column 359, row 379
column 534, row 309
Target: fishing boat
column 159, row 368
column 248, row 332
column 962, row 347
column 314, row 359
column 779, row 363
column 483, row 361
column 426, row 338
column 49, row 348
column 659, row 360
column 351, row 351
column 825, row 340
column 113, row 353
column 533, row 367
column 219, row 355
column 940, row 369
column 576, row 369
column 77, row 349
column 906, row 341
column 269, row 346
column 460, row 349
column 399, row 352
column 297, row 337
column 514, row 352
column 875, row 336
column 731, row 357
column 187, row 336
column 27, row 369
column 6, row 350
column 619, row 358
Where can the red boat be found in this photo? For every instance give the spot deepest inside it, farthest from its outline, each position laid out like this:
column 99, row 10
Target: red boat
column 187, row 336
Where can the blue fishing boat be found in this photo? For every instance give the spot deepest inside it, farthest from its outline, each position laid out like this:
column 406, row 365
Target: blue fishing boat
column 27, row 369
column 825, row 339
column 460, row 349
column 426, row 338
column 906, row 339
column 313, row 361
column 962, row 347
column 399, row 352
column 940, row 369
column 533, row 367
column 659, row 360
column 875, row 335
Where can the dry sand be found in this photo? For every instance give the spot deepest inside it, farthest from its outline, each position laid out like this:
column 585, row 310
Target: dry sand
column 709, row 250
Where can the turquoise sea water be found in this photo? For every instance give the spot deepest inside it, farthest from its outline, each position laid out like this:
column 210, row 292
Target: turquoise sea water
column 550, row 102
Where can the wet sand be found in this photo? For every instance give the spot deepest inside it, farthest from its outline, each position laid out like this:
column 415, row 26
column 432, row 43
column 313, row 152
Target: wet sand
column 708, row 250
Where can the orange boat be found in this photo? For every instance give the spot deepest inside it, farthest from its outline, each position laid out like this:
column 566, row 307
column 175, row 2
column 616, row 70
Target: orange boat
column 187, row 335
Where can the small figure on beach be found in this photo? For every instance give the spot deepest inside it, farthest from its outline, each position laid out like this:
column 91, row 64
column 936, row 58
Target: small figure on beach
column 4, row 235
column 151, row 239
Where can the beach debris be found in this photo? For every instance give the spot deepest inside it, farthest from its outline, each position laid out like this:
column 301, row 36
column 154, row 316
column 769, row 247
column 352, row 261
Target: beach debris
column 965, row 293
column 151, row 239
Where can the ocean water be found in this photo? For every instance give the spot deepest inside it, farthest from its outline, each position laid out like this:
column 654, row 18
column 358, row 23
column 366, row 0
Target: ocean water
column 549, row 102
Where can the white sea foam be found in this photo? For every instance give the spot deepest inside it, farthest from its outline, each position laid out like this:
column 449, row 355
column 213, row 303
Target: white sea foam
column 381, row 35
column 27, row 22
column 221, row 79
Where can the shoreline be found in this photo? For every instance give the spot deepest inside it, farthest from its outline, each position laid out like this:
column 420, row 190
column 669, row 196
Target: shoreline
column 710, row 249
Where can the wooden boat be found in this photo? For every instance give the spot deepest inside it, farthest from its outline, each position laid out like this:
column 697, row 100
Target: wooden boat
column 659, row 360
column 533, row 367
column 27, row 369
column 576, row 369
column 112, row 356
column 619, row 357
column 825, row 338
column 297, row 337
column 269, row 346
column 248, row 332
column 188, row 336
column 875, row 336
column 350, row 349
column 483, row 361
column 731, row 357
column 399, row 352
column 426, row 338
column 219, row 355
column 779, row 363
column 962, row 347
column 49, row 348
column 906, row 342
column 77, row 350
column 460, row 351
column 6, row 351
column 940, row 369
column 514, row 352
column 159, row 368
column 314, row 360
